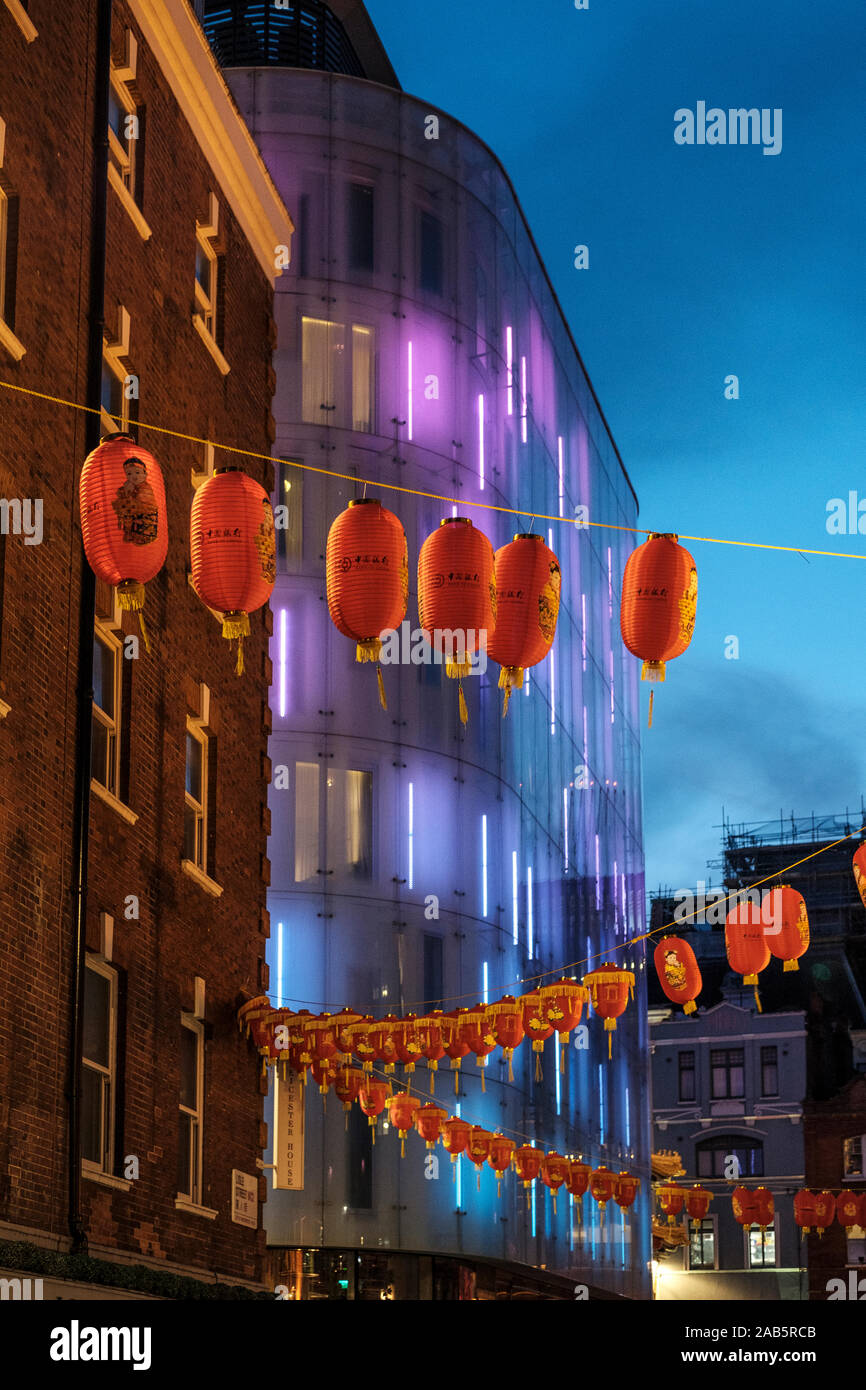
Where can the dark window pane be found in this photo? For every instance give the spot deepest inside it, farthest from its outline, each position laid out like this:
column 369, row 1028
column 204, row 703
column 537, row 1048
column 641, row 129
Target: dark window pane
column 193, row 767
column 190, row 834
column 361, row 218
column 91, row 1115
column 360, row 1168
column 188, row 1068
column 99, row 761
column 431, row 256
column 184, row 1152
column 103, row 676
column 97, row 1018
column 433, row 988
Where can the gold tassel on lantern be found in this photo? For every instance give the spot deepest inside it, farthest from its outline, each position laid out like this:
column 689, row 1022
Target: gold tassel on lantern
column 370, row 650
column 130, row 599
column 461, row 704
column 236, row 626
column 510, row 678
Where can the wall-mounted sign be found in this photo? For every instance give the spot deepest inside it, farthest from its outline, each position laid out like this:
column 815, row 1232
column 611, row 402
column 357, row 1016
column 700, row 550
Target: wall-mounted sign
column 288, row 1167
column 245, row 1199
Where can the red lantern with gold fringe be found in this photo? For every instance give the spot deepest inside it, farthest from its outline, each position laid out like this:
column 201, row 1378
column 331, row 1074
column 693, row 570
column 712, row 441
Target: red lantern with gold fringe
column 627, row 1188
column 476, row 1032
column 746, row 944
column 367, row 569
column 121, row 497
column 363, row 1040
column 859, row 867
column 577, row 1180
column 659, row 603
column 455, row 1136
column 500, row 1157
column 347, row 1087
column 383, row 1035
column 787, row 932
column 851, row 1209
column 457, row 596
column 602, row 1186
column 677, row 968
column 528, row 583
column 320, row 1037
column 671, row 1199
column 609, row 988
column 324, row 1073
column 554, row 1171
column 753, row 1206
column 372, row 1098
column 537, row 1024
column 454, row 1042
column 408, row 1042
column 432, row 1046
column 506, row 1026
column 697, row 1202
column 527, row 1165
column 233, row 548
column 563, row 1003
column 402, row 1109
column 429, row 1121
column 477, row 1148
column 342, row 1022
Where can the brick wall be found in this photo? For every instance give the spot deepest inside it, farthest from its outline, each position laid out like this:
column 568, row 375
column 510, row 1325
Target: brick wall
column 827, row 1124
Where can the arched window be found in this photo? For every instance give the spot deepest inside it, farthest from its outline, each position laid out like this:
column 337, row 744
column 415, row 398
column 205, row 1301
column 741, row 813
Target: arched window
column 713, row 1156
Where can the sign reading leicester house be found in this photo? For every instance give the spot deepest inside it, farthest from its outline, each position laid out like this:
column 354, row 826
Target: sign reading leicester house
column 737, row 126
column 288, row 1131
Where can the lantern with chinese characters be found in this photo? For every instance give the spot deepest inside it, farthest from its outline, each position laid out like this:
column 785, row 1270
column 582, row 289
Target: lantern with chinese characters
column 537, row 1024
column 677, row 969
column 563, row 1003
column 233, row 548
column 372, row 1098
column 342, row 1023
column 746, row 944
column 528, row 583
column 627, row 1188
column 347, row 1087
column 697, row 1201
column 859, row 867
column 454, row 1041
column 383, row 1037
column 753, row 1206
column 554, row 1171
column 429, row 1121
column 402, row 1109
column 527, row 1165
column 362, row 1037
column 659, row 602
column 609, row 988
column 506, row 1026
column 367, row 567
column 500, row 1157
column 121, row 497
column 408, row 1042
column 602, row 1186
column 455, row 1136
column 671, row 1198
column 477, row 1148
column 851, row 1209
column 787, row 932
column 476, row 1033
column 457, row 596
column 432, row 1046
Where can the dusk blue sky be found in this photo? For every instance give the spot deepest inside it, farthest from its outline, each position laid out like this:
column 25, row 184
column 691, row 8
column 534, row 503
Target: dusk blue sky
column 704, row 261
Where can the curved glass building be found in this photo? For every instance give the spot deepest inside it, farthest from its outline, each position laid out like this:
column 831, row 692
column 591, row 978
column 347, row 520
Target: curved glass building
column 417, row 863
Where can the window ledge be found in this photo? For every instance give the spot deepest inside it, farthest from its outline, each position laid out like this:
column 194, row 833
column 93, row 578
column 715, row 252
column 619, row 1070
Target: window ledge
column 129, row 203
column 210, row 343
column 111, row 800
column 22, row 19
column 105, row 1179
column 193, row 1209
column 13, row 345
column 201, row 878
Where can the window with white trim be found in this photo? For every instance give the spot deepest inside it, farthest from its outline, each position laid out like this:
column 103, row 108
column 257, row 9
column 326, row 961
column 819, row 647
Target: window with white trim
column 209, row 268
column 333, row 823
column 191, row 1109
column 98, row 1068
column 124, row 121
column 853, row 1152
column 195, row 822
column 761, row 1247
column 107, row 707
column 338, row 377
column 119, row 385
column 9, row 205
column 702, row 1244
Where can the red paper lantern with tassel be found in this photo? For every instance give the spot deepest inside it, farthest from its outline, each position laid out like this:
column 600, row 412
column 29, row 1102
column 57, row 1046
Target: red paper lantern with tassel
column 851, row 1209
column 372, row 1098
column 347, row 1086
column 671, row 1199
column 528, row 584
column 408, row 1042
column 563, row 1004
column 454, row 1041
column 324, row 1073
column 500, row 1157
column 679, row 975
column 506, row 1026
column 753, row 1206
column 527, row 1165
column 814, row 1209
column 342, row 1023
column 362, row 1038
column 455, row 1136
column 320, row 1037
column 121, row 497
column 859, row 867
column 432, row 1046
column 233, row 548
column 457, row 595
column 787, row 932
column 609, row 988
column 602, row 1186
column 577, row 1180
column 477, row 1148
column 746, row 944
column 429, row 1122
column 402, row 1109
column 383, row 1035
column 367, row 569
column 537, row 1024
column 554, row 1171
column 659, row 602
column 697, row 1203
column 627, row 1188
column 475, row 1027
column 251, row 1016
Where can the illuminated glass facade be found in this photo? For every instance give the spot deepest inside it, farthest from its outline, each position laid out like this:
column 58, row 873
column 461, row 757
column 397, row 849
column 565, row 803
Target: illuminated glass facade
column 421, row 345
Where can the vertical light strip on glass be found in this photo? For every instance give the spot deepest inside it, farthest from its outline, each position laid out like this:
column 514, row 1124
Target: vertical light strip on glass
column 529, row 910
column 284, row 661
column 411, row 875
column 409, row 403
column 514, row 894
column 509, row 367
column 523, row 402
column 483, row 866
column 561, row 483
column 481, row 443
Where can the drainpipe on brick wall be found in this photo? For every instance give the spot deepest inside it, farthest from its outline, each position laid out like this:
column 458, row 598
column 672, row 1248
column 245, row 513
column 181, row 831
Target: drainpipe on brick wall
column 87, row 615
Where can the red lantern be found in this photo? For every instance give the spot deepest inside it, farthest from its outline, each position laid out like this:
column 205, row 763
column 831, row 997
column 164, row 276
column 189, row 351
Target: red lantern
column 659, row 602
column 527, row 1165
column 746, row 944
column 753, row 1206
column 454, row 1042
column 500, row 1157
column 252, row 1013
column 697, row 1201
column 788, row 933
column 324, row 1074
column 362, row 1037
column 609, row 989
column 402, row 1109
column 602, row 1185
column 814, row 1209
column 367, row 566
column 320, row 1037
column 384, row 1040
column 477, row 1148
column 455, row 1136
column 554, row 1171
column 627, row 1188
column 408, row 1042
column 537, row 1024
column 577, row 1180
column 428, row 1123
column 457, row 595
column 233, row 546
column 505, row 1019
column 432, row 1047
column 342, row 1023
column 678, row 972
column 528, row 583
column 347, row 1085
column 292, row 1040
column 851, row 1209
column 372, row 1098
column 121, row 496
column 476, row 1032
column 860, row 871
column 671, row 1199
column 563, row 1003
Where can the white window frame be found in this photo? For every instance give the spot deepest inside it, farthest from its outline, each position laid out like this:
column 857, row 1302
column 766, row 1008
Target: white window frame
column 342, row 389
column 847, row 1152
column 747, row 1256
column 195, row 730
column 4, row 227
column 204, row 317
column 196, row 1026
column 113, row 354
column 688, row 1249
column 108, row 1074
column 111, row 721
column 8, row 340
column 22, row 19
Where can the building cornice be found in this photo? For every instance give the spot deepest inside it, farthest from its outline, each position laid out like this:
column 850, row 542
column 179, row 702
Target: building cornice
column 174, row 37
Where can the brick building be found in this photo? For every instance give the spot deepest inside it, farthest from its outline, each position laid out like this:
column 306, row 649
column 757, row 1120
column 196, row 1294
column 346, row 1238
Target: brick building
column 835, row 1140
column 175, row 912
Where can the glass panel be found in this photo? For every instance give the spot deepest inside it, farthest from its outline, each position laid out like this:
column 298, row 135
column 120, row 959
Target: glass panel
column 361, row 208
column 431, row 254
column 363, row 358
column 112, row 392
column 103, row 676
column 306, row 821
column 184, row 1154
column 117, row 117
column 191, row 837
column 91, row 1115
column 433, row 989
column 189, row 1068
column 97, row 1018
column 204, row 270
column 193, row 767
column 323, row 363
column 290, row 521
column 350, row 822
column 101, row 754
